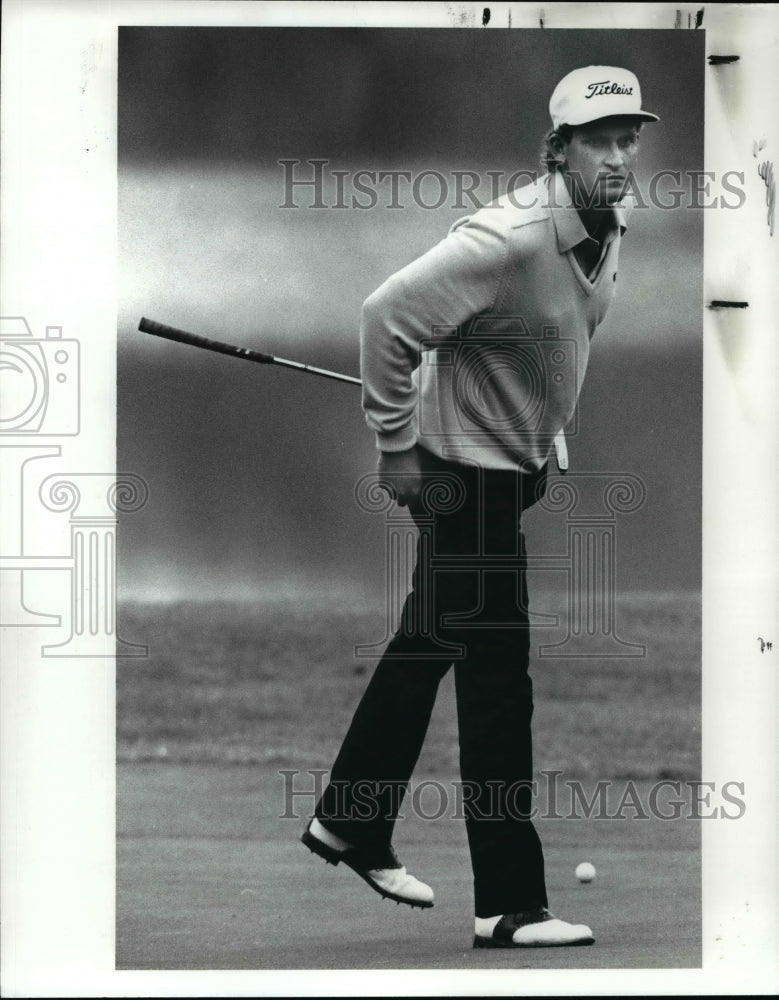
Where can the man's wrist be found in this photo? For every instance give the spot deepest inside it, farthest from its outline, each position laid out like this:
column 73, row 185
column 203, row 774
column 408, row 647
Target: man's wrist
column 396, row 441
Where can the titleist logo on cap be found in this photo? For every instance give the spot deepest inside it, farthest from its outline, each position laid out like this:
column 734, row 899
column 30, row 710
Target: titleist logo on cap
column 603, row 87
column 617, row 89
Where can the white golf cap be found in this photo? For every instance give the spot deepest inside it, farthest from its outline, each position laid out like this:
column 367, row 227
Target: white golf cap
column 594, row 92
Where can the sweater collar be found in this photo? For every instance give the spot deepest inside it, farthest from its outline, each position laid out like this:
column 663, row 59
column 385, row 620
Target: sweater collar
column 568, row 224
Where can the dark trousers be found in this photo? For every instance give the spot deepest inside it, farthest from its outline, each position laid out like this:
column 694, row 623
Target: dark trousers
column 470, row 563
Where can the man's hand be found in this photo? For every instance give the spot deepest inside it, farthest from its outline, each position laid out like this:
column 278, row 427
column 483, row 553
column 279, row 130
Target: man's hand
column 401, row 473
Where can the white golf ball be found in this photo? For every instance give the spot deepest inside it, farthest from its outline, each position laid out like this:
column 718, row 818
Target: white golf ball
column 585, row 872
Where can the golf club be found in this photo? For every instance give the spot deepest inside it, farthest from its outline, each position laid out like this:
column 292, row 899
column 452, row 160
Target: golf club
column 244, row 353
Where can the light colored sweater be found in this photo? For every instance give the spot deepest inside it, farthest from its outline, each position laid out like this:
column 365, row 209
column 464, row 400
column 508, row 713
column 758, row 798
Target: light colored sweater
column 478, row 349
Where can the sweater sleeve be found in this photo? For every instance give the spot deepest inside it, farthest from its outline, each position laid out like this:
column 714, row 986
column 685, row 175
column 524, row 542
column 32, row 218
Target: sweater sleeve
column 454, row 281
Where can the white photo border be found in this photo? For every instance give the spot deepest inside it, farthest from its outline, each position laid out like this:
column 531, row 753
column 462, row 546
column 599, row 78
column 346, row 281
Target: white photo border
column 59, row 70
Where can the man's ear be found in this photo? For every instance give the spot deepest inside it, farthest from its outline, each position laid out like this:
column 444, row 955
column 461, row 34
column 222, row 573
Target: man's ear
column 558, row 148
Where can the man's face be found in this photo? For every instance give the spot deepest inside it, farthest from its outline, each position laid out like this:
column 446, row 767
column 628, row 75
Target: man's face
column 598, row 159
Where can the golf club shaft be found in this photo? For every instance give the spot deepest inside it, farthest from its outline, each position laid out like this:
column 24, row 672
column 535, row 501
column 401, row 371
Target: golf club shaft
column 244, row 353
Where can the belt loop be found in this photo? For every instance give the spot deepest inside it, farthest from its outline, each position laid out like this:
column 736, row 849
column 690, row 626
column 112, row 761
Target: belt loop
column 561, row 452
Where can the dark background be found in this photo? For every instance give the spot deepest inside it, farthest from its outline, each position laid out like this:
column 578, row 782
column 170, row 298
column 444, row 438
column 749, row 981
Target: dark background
column 251, row 471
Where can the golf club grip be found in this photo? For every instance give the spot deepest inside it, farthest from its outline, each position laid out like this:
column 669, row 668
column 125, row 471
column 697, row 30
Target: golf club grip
column 183, row 337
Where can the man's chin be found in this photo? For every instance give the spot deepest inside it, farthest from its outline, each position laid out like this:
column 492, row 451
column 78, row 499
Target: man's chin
column 614, row 190
column 607, row 199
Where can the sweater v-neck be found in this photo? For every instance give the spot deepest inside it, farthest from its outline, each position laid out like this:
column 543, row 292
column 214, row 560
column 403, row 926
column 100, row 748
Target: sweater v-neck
column 590, row 283
column 571, row 231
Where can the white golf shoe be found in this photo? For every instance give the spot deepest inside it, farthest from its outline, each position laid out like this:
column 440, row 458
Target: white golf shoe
column 532, row 929
column 382, row 871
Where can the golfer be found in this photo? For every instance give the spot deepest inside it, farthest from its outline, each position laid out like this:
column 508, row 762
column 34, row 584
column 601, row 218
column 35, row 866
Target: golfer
column 473, row 357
